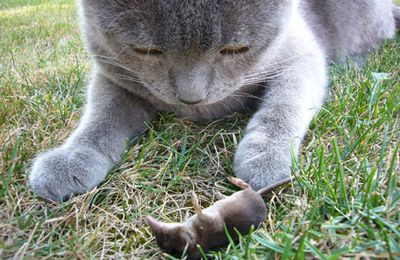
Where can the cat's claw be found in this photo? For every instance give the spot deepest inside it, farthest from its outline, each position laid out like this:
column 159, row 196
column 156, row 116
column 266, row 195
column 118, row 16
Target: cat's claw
column 60, row 173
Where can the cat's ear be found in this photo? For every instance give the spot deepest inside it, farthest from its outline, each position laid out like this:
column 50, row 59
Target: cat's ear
column 157, row 227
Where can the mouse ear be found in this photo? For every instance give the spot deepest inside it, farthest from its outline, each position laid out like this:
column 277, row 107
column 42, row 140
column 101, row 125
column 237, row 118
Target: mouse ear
column 155, row 226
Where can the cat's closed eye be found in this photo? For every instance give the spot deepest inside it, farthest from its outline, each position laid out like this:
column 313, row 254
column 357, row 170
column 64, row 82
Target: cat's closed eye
column 148, row 51
column 230, row 50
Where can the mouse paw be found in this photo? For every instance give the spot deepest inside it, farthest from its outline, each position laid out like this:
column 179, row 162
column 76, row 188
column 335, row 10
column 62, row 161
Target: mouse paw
column 196, row 204
column 239, row 182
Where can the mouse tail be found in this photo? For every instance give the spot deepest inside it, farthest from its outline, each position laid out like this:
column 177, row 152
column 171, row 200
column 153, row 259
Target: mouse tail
column 268, row 189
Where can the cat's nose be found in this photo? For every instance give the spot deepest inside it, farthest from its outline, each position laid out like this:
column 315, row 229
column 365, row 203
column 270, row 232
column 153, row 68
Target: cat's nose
column 190, row 101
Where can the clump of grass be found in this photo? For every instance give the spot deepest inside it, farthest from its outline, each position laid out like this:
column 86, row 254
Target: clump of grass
column 344, row 202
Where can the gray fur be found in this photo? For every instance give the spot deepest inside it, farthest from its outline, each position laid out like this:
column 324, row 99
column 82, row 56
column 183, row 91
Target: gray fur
column 283, row 72
column 396, row 15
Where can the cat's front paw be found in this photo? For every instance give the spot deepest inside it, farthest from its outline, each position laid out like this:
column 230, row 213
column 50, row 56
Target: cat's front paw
column 60, row 173
column 261, row 163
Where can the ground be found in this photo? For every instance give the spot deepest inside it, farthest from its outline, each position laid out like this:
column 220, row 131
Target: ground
column 344, row 202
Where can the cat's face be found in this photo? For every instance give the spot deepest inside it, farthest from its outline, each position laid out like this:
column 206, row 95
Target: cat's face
column 184, row 52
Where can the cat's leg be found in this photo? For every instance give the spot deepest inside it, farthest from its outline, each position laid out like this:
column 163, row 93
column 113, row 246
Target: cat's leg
column 396, row 15
column 278, row 127
column 112, row 116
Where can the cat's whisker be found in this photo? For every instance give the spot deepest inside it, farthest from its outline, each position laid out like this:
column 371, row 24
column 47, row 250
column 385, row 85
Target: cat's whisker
column 116, row 64
column 246, row 95
column 123, row 50
column 111, row 63
column 227, row 108
column 271, row 68
column 288, row 59
column 108, row 60
column 131, row 79
column 260, row 78
column 255, row 82
column 105, row 57
column 264, row 76
column 265, row 70
column 278, row 66
column 238, row 99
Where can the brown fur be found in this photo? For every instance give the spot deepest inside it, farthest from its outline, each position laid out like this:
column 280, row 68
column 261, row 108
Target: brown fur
column 207, row 229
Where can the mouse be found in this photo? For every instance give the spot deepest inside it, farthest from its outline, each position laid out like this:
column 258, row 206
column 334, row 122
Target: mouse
column 207, row 229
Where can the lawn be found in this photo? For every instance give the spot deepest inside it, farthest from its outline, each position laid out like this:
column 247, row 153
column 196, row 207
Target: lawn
column 344, row 202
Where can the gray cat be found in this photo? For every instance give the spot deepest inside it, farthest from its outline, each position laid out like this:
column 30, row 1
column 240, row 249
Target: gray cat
column 204, row 59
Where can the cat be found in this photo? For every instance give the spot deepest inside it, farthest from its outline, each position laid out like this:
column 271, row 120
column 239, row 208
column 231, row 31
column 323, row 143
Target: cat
column 204, row 59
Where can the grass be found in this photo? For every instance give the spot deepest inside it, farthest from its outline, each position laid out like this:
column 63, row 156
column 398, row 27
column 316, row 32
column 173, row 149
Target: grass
column 344, row 203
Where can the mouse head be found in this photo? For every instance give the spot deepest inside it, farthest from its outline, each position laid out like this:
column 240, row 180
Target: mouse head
column 173, row 238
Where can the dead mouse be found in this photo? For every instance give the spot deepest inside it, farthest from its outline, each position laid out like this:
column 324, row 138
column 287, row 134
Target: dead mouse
column 240, row 211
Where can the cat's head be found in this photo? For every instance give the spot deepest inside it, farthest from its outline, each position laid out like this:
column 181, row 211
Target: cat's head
column 184, row 51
